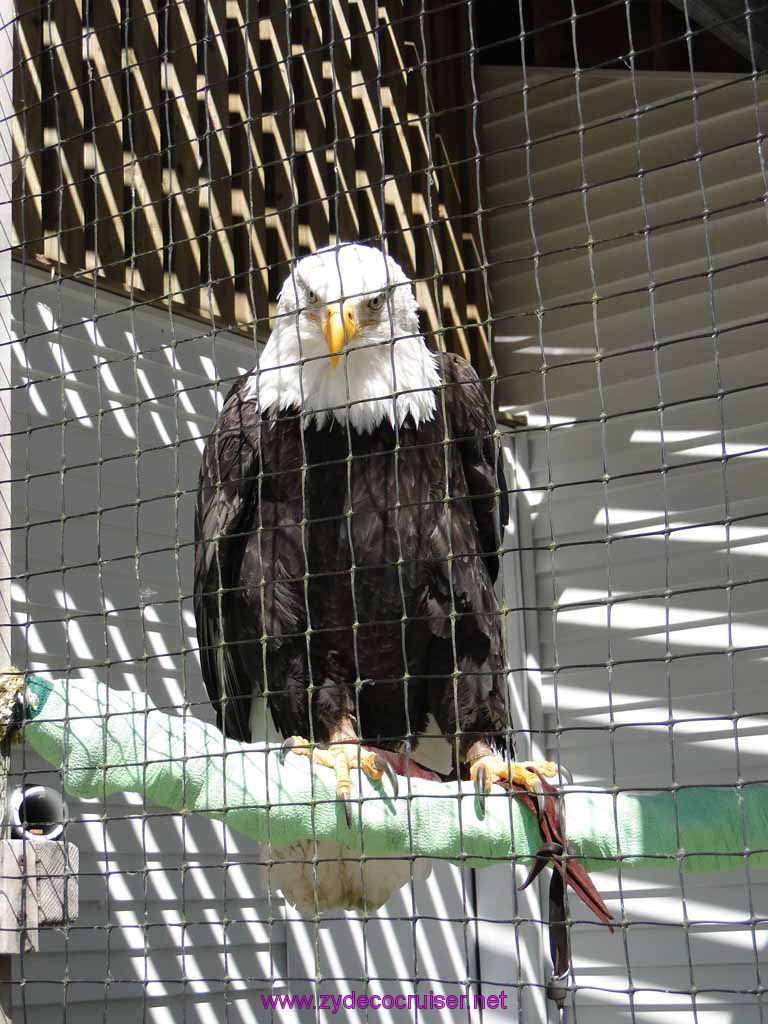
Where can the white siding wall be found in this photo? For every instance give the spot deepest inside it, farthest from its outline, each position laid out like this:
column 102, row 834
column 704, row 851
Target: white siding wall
column 636, row 465
column 92, row 589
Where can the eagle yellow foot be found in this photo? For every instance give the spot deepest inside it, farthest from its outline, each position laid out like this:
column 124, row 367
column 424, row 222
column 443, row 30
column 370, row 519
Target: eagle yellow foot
column 342, row 757
column 490, row 768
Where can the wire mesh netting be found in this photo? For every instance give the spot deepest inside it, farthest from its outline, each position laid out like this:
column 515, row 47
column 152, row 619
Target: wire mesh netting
column 577, row 192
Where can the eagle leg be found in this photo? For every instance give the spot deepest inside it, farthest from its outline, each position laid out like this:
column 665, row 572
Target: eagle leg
column 342, row 756
column 487, row 767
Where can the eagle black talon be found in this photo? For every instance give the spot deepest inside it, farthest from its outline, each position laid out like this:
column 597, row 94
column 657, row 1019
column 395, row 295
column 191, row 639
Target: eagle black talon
column 381, row 764
column 285, row 748
column 480, row 789
column 347, row 808
column 289, row 745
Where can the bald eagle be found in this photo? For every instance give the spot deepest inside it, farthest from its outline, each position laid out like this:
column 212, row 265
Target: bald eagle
column 348, row 529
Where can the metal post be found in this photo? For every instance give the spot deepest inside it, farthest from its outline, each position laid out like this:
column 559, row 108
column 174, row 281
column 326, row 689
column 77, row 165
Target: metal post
column 7, row 16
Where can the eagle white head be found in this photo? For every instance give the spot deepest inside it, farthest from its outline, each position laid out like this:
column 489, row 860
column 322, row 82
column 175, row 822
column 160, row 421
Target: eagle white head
column 346, row 343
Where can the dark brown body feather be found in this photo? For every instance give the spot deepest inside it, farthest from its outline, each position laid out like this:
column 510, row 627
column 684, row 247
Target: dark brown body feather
column 313, row 568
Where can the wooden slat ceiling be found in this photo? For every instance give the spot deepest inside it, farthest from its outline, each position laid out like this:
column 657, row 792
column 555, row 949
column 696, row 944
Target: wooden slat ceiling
column 185, row 151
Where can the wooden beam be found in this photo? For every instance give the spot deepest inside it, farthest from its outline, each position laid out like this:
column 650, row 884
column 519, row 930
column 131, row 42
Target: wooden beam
column 103, row 51
column 447, row 83
column 225, row 137
column 401, row 142
column 315, row 131
column 411, row 143
column 367, row 113
column 145, row 168
column 276, row 31
column 248, row 235
column 341, row 124
column 66, row 245
column 184, row 179
column 218, row 298
column 28, row 130
column 254, row 99
column 461, row 177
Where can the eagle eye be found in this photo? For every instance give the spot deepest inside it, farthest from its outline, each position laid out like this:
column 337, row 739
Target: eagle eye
column 376, row 302
column 313, row 297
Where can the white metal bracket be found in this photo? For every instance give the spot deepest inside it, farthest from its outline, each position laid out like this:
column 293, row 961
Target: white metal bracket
column 38, row 889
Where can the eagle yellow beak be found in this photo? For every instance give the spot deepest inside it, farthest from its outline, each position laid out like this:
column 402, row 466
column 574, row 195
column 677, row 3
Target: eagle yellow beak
column 339, row 327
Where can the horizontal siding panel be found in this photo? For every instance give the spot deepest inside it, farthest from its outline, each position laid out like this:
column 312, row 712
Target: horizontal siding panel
column 618, row 217
column 641, row 515
column 620, row 265
column 604, row 95
column 664, row 124
column 606, row 154
column 681, row 325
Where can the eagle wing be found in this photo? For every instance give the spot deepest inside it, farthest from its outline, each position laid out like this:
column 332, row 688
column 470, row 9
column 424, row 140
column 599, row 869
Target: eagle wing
column 472, row 427
column 227, row 492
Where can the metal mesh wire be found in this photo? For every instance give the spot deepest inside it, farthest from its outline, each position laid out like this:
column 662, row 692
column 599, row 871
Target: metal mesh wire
column 577, row 191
